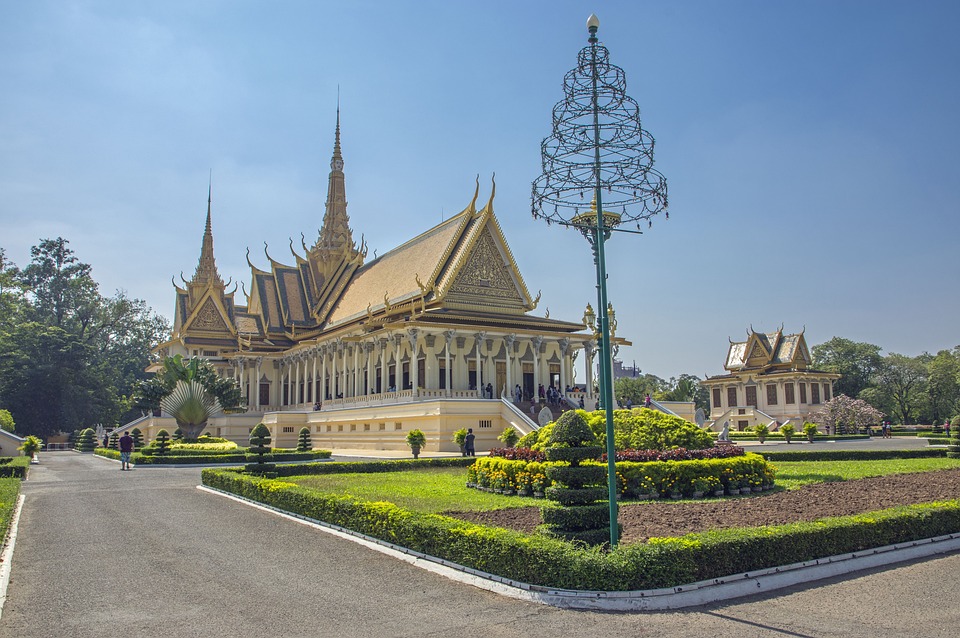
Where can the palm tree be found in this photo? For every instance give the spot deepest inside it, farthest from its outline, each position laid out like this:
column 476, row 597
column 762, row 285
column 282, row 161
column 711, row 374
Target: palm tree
column 191, row 405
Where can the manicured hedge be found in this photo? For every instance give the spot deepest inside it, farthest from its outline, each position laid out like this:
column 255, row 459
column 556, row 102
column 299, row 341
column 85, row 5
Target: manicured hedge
column 852, row 455
column 654, row 477
column 9, row 491
column 663, row 562
column 366, row 467
column 15, row 467
column 203, row 459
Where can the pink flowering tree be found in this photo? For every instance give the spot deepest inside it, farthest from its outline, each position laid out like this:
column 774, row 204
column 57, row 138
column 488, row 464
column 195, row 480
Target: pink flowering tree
column 844, row 415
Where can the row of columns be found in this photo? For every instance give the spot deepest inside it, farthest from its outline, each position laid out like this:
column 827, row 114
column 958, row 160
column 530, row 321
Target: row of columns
column 348, row 368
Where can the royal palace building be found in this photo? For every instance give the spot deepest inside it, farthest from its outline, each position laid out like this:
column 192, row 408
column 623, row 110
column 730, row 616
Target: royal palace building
column 434, row 334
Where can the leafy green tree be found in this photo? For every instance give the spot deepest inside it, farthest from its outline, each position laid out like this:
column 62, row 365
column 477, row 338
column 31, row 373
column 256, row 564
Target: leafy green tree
column 856, row 362
column 69, row 356
column 13, row 300
column 636, row 388
column 687, row 387
column 50, row 380
column 6, row 421
column 903, row 379
column 943, row 385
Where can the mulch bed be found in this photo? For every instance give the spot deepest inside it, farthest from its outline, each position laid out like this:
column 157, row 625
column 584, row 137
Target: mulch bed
column 645, row 520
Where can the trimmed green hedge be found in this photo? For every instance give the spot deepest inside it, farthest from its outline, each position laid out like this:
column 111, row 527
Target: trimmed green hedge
column 9, row 491
column 368, row 467
column 852, row 455
column 635, row 477
column 14, row 466
column 205, row 459
column 538, row 560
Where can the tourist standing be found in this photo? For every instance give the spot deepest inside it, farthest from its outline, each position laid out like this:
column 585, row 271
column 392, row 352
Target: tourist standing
column 126, row 448
column 468, row 443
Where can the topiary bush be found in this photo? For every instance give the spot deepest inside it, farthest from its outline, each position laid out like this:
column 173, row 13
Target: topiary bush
column 161, row 444
column 114, row 441
column 787, row 432
column 577, row 511
column 639, row 428
column 259, row 452
column 304, row 443
column 137, row 437
column 178, row 434
column 87, row 440
column 954, row 450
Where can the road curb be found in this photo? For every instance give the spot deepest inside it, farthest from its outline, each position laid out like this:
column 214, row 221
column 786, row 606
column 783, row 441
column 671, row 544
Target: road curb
column 681, row 597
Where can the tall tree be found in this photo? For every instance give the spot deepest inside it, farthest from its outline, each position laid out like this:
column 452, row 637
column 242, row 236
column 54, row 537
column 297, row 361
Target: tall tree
column 856, row 362
column 71, row 357
column 687, row 387
column 636, row 388
column 903, row 380
column 943, row 385
column 13, row 300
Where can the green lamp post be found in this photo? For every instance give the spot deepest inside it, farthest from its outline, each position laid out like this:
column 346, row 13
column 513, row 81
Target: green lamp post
column 599, row 155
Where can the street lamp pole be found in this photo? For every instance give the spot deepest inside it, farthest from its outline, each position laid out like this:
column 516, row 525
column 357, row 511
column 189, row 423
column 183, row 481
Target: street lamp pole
column 598, row 143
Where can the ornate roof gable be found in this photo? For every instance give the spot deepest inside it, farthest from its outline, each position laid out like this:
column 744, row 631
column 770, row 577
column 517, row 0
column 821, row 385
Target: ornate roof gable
column 481, row 273
column 209, row 316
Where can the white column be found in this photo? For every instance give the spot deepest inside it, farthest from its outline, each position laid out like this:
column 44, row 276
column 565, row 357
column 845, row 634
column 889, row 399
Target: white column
column 384, row 356
column 536, row 342
column 257, row 373
column 414, row 364
column 448, row 336
column 564, row 348
column 508, row 342
column 478, row 337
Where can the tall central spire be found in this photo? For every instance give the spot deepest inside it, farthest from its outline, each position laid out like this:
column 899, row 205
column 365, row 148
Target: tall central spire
column 335, row 235
column 207, row 268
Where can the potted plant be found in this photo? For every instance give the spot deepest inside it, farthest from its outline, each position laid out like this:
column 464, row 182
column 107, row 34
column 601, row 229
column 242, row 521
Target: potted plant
column 787, row 431
column 509, row 436
column 31, row 447
column 416, row 439
column 810, row 429
column 460, row 438
column 762, row 430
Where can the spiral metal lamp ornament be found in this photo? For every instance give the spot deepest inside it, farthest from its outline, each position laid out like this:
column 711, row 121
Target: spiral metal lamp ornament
column 599, row 155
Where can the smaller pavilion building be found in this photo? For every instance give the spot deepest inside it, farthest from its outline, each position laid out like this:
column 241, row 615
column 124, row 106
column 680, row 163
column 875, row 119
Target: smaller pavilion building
column 769, row 380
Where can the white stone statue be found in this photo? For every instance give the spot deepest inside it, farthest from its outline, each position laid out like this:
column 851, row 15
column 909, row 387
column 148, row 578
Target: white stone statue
column 725, row 432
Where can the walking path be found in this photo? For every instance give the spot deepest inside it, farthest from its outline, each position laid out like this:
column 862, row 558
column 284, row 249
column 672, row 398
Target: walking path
column 144, row 553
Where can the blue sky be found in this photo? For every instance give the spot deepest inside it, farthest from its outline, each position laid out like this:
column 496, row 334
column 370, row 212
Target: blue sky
column 809, row 148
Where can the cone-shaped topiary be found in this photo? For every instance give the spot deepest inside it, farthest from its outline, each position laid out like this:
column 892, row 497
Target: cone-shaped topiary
column 304, row 444
column 137, row 437
column 87, row 440
column 579, row 511
column 260, row 451
column 954, row 450
column 114, row 441
column 571, row 430
column 178, row 434
column 162, row 443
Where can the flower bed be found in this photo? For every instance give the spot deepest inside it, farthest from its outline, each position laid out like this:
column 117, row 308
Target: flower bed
column 740, row 473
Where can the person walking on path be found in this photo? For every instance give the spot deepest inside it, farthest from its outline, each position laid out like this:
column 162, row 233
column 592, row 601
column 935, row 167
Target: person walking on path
column 126, row 448
column 468, row 445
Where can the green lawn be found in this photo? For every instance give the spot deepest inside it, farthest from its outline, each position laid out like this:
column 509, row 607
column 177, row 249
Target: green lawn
column 431, row 490
column 437, row 490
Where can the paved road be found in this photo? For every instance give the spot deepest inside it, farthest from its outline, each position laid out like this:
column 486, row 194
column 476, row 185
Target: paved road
column 144, row 553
